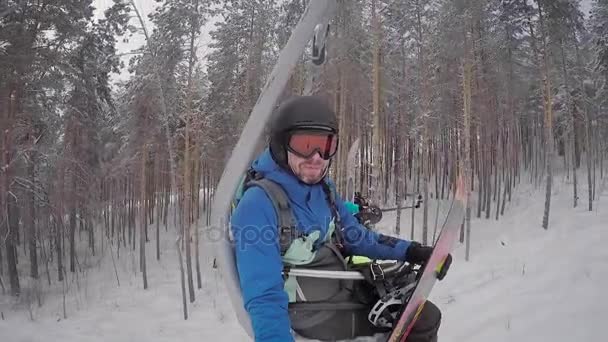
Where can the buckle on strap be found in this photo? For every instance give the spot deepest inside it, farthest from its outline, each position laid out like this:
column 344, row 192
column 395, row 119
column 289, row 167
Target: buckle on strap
column 378, row 278
column 285, row 272
column 376, row 271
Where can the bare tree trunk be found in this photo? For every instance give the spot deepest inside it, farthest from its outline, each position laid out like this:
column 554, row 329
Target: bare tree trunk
column 186, row 217
column 4, row 168
column 398, row 179
column 91, row 233
column 59, row 226
column 10, row 215
column 196, row 182
column 594, row 154
column 424, row 111
column 602, row 152
column 124, row 223
column 547, row 102
column 571, row 125
column 376, row 107
column 45, row 257
column 143, row 222
column 481, row 179
column 188, row 176
column 73, row 233
column 415, row 162
column 134, row 212
column 488, row 176
column 167, row 203
column 192, row 180
column 425, row 213
column 158, row 196
column 507, row 185
column 587, row 127
column 3, row 233
column 499, row 168
column 400, row 171
column 129, row 208
column 467, row 79
column 29, row 219
column 182, row 278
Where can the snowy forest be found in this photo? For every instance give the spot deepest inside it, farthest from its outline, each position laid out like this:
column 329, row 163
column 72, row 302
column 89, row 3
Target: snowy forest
column 109, row 154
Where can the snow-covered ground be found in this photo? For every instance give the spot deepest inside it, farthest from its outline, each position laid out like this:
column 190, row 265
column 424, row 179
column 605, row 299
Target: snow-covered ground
column 523, row 283
column 527, row 284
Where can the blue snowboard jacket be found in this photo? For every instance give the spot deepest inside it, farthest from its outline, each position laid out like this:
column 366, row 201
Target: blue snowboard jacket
column 254, row 226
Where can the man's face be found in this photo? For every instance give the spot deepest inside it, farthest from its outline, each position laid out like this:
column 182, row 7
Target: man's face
column 309, row 170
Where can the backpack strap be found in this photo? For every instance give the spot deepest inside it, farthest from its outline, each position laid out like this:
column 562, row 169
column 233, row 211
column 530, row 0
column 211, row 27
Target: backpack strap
column 337, row 237
column 285, row 218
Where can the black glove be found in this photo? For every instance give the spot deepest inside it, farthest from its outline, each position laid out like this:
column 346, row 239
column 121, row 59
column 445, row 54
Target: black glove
column 419, row 255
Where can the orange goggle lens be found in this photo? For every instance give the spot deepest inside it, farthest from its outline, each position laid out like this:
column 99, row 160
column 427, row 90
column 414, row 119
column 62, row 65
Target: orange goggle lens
column 307, row 144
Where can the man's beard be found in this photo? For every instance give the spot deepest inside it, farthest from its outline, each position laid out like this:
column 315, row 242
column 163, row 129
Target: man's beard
column 311, row 180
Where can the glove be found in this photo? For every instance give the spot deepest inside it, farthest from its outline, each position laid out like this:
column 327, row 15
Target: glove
column 419, row 255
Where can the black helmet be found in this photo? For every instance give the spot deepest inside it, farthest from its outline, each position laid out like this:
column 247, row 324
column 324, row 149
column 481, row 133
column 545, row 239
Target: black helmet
column 299, row 113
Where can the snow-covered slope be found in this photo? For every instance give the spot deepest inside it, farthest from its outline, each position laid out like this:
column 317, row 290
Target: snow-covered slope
column 522, row 284
column 527, row 284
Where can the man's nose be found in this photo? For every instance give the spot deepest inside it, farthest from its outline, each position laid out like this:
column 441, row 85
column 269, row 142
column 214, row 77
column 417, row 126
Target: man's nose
column 316, row 157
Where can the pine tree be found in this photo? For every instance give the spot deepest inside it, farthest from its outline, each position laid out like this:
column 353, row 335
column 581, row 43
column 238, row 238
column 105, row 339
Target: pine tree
column 237, row 65
column 39, row 76
column 599, row 30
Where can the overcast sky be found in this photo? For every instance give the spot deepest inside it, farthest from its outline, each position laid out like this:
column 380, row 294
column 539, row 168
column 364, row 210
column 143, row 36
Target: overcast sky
column 138, row 40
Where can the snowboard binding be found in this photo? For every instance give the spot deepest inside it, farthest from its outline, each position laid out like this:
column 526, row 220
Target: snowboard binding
column 400, row 285
column 387, row 309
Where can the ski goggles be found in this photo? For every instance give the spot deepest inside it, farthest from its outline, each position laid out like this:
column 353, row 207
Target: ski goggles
column 305, row 144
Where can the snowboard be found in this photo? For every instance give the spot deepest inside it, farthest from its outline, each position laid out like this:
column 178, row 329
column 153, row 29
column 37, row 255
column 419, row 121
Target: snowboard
column 442, row 247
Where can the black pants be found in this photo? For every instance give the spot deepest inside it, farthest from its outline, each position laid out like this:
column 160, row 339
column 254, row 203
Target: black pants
column 426, row 327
